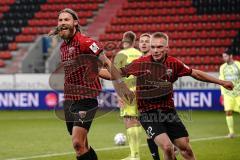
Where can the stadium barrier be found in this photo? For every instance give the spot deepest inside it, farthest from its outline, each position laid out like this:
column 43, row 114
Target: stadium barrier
column 32, row 92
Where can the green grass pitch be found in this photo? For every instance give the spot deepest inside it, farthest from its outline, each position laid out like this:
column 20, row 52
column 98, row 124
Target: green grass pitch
column 39, row 135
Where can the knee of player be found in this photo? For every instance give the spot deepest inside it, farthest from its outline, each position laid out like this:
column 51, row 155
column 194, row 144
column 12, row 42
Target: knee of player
column 167, row 147
column 78, row 146
column 186, row 150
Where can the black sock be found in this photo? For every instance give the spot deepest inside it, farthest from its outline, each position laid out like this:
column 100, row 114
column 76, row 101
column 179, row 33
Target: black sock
column 90, row 155
column 93, row 154
column 153, row 149
column 85, row 156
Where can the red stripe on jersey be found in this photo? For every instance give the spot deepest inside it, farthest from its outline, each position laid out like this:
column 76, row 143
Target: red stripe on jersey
column 157, row 74
column 79, row 58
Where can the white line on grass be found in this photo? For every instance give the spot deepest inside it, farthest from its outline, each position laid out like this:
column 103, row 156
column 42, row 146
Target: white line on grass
column 110, row 148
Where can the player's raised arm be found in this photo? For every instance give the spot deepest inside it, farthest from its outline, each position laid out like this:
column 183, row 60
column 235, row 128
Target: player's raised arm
column 120, row 86
column 202, row 76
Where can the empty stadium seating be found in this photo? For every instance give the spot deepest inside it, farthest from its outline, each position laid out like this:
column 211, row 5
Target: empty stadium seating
column 23, row 20
column 197, row 37
column 199, row 30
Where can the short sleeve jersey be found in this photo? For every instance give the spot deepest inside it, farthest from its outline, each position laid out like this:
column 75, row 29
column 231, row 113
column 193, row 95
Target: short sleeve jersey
column 155, row 81
column 79, row 57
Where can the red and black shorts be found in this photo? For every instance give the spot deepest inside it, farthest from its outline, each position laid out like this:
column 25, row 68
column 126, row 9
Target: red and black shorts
column 80, row 113
column 156, row 122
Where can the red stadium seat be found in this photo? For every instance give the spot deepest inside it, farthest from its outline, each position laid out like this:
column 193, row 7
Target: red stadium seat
column 5, row 55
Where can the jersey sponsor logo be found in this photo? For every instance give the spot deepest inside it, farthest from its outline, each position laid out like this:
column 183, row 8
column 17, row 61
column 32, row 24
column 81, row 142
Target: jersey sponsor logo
column 94, row 47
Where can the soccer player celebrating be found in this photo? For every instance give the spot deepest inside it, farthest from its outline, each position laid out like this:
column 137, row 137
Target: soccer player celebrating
column 230, row 71
column 81, row 57
column 129, row 112
column 144, row 46
column 155, row 75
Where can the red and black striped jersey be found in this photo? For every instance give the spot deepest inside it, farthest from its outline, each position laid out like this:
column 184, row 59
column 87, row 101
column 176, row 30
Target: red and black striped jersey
column 79, row 57
column 155, row 81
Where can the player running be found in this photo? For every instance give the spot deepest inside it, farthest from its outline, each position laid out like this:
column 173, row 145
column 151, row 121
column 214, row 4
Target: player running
column 156, row 74
column 81, row 58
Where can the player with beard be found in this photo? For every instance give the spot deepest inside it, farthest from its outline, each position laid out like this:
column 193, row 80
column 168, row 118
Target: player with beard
column 82, row 57
column 156, row 74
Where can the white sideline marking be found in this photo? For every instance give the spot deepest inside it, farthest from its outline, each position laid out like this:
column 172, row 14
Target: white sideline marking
column 110, row 148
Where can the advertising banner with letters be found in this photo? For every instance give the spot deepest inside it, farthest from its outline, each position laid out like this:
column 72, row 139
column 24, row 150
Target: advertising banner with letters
column 47, row 100
column 32, row 92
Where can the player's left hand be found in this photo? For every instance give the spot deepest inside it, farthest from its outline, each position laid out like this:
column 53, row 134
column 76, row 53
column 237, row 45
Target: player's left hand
column 124, row 92
column 228, row 85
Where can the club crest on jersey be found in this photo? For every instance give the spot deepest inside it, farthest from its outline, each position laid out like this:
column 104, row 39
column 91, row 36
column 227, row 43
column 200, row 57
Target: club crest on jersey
column 71, row 49
column 94, row 47
column 169, row 72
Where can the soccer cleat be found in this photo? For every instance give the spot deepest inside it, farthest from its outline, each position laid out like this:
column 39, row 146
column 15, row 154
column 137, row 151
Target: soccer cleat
column 131, row 158
column 231, row 135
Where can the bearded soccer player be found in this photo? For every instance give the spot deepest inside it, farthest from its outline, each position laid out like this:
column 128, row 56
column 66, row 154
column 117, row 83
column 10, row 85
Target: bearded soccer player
column 156, row 74
column 82, row 57
column 230, row 70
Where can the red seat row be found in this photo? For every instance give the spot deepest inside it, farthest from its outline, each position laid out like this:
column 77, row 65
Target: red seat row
column 201, row 51
column 156, row 4
column 50, row 22
column 181, row 42
column 12, row 46
column 183, row 35
column 5, row 55
column 54, row 14
column 36, row 30
column 198, row 60
column 175, row 19
column 8, row 2
column 25, row 38
column 201, row 42
column 207, row 68
column 58, row 7
column 4, row 8
column 174, row 27
column 156, row 12
column 75, row 1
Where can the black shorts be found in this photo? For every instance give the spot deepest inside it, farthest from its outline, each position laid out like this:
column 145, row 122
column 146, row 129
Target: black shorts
column 80, row 113
column 156, row 122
